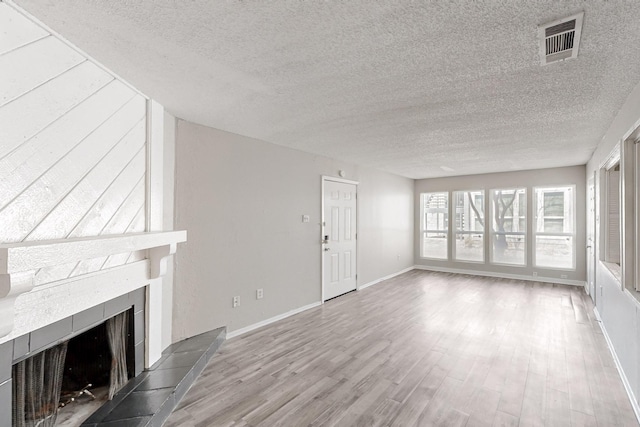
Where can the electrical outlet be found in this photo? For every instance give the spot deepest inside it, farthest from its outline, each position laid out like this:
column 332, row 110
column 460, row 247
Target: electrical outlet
column 236, row 302
column 259, row 293
column 535, row 273
column 305, row 218
column 563, row 276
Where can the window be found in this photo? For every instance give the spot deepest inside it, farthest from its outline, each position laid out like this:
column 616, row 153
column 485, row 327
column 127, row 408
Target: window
column 612, row 198
column 469, row 225
column 554, row 244
column 509, row 226
column 435, row 225
column 611, row 231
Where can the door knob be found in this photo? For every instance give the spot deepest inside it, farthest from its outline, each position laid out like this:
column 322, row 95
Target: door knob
column 326, row 249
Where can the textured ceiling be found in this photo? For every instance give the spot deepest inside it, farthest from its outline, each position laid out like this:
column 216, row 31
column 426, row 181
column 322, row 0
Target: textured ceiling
column 417, row 88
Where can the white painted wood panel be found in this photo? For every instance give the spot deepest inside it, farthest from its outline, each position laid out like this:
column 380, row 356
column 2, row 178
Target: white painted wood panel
column 118, row 224
column 24, row 165
column 27, row 256
column 127, row 212
column 335, row 268
column 28, row 209
column 16, row 30
column 347, row 264
column 31, row 113
column 76, row 295
column 137, row 224
column 154, row 221
column 94, row 221
column 335, row 223
column 54, row 273
column 129, row 180
column 347, row 222
column 82, row 198
column 19, row 76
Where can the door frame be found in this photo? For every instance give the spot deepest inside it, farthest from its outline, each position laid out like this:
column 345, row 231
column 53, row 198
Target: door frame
column 326, row 178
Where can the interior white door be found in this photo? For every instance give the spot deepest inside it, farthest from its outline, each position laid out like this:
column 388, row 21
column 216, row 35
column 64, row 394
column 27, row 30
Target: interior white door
column 339, row 238
column 591, row 226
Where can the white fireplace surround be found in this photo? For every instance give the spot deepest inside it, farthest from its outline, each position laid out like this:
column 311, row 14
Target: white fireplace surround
column 26, row 306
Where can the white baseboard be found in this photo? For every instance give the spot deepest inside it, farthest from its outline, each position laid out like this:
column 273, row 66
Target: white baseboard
column 266, row 322
column 273, row 319
column 623, row 376
column 382, row 279
column 502, row 275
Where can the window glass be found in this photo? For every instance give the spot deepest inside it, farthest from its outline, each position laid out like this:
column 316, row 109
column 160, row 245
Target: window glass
column 612, row 218
column 435, row 225
column 469, row 225
column 509, row 226
column 554, row 245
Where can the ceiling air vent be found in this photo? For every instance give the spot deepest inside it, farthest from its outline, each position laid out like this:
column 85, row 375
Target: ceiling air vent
column 560, row 39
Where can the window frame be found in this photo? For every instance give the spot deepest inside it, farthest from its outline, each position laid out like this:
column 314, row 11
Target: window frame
column 523, row 233
column 613, row 265
column 627, row 155
column 455, row 232
column 424, row 231
column 535, row 233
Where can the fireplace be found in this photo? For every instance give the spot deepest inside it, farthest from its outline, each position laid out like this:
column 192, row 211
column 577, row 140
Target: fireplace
column 39, row 311
column 82, row 342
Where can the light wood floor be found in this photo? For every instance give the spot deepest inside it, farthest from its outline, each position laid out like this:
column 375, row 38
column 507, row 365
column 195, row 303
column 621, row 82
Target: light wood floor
column 423, row 348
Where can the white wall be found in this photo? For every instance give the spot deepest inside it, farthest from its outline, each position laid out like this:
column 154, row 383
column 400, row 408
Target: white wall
column 619, row 310
column 543, row 177
column 242, row 200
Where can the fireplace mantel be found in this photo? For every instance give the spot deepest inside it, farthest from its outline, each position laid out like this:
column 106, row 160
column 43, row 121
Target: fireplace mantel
column 20, row 261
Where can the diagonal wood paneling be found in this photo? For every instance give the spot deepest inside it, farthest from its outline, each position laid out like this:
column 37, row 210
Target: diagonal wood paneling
column 113, row 199
column 120, row 223
column 23, row 213
column 20, row 76
column 72, row 146
column 28, row 162
column 137, row 223
column 111, row 203
column 27, row 115
column 16, row 30
column 69, row 212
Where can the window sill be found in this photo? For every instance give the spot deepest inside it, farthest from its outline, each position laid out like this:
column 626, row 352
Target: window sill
column 633, row 294
column 543, row 267
column 615, row 270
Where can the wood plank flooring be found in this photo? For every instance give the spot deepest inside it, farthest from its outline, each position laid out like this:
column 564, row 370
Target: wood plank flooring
column 425, row 349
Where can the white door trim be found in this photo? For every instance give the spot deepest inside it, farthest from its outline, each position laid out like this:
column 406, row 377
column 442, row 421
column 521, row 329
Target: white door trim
column 336, row 179
column 326, row 178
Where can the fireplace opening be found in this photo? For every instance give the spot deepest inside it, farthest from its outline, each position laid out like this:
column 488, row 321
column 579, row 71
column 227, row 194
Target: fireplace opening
column 65, row 384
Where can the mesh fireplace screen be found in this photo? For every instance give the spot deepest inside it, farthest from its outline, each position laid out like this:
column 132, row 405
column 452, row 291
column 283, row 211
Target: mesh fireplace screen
column 36, row 388
column 117, row 331
column 38, row 380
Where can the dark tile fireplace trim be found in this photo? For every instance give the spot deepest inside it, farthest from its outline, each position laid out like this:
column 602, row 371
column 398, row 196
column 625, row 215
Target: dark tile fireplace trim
column 34, row 342
column 148, row 399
